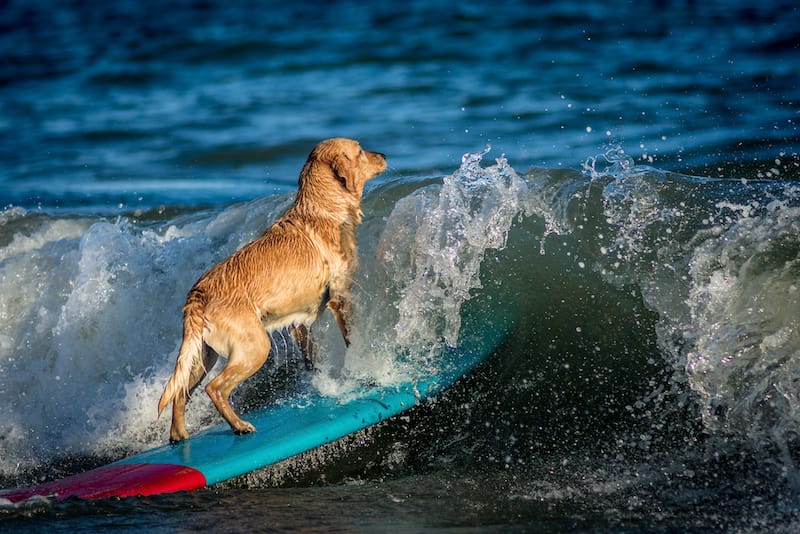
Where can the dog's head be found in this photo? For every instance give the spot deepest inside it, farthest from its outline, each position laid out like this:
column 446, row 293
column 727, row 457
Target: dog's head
column 349, row 164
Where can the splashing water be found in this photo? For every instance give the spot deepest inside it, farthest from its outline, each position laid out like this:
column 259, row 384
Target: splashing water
column 619, row 164
column 427, row 262
column 719, row 261
column 434, row 243
column 744, row 306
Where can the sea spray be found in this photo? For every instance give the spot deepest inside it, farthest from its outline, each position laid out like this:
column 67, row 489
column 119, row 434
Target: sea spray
column 473, row 213
column 719, row 261
column 427, row 263
column 743, row 328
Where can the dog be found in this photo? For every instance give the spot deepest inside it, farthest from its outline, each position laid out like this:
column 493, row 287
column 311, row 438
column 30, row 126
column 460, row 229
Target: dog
column 301, row 265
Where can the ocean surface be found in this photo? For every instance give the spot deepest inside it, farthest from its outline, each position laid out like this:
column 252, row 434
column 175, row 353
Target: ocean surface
column 621, row 177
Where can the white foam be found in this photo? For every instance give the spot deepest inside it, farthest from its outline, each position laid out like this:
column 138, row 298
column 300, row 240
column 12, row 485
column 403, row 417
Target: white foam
column 90, row 324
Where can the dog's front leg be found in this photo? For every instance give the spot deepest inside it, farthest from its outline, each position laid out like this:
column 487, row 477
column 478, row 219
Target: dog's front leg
column 302, row 336
column 340, row 307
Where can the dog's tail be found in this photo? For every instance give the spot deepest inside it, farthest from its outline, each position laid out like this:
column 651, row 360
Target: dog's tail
column 190, row 354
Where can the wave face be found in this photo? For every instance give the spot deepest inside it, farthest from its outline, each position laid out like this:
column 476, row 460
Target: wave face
column 654, row 322
column 718, row 262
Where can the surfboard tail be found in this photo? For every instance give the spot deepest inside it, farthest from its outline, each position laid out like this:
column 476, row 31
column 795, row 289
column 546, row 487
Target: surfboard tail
column 190, row 355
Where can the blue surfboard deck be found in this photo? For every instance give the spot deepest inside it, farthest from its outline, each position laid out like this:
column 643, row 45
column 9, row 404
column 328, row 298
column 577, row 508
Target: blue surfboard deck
column 283, row 430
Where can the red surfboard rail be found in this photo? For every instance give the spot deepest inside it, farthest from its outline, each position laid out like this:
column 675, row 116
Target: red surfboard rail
column 115, row 480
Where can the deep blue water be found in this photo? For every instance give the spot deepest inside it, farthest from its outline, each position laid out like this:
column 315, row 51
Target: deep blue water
column 137, row 104
column 644, row 226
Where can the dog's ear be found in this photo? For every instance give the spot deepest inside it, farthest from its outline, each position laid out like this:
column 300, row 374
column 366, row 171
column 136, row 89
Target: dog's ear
column 344, row 169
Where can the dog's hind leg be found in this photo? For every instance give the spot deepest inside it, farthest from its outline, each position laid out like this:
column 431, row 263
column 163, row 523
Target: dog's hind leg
column 302, row 336
column 249, row 351
column 178, row 430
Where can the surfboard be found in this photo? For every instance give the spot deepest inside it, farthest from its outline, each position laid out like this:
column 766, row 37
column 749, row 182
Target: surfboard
column 283, row 430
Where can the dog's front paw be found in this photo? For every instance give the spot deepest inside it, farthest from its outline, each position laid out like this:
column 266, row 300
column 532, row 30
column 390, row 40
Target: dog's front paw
column 244, row 428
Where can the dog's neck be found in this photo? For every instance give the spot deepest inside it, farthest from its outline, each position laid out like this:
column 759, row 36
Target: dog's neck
column 328, row 201
column 331, row 203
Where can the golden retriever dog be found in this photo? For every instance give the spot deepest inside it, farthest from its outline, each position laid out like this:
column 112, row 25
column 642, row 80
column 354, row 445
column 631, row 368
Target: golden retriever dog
column 302, row 264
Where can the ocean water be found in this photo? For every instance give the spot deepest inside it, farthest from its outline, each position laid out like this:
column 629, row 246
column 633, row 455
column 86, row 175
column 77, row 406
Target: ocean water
column 622, row 178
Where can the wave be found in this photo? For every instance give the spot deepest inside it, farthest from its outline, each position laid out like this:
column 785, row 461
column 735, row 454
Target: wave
column 650, row 310
column 719, row 262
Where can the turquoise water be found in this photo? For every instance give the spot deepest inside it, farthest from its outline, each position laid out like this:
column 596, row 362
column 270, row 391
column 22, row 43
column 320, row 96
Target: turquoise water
column 643, row 225
column 208, row 103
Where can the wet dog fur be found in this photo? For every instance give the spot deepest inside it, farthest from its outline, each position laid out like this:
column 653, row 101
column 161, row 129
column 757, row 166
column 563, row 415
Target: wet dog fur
column 301, row 265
